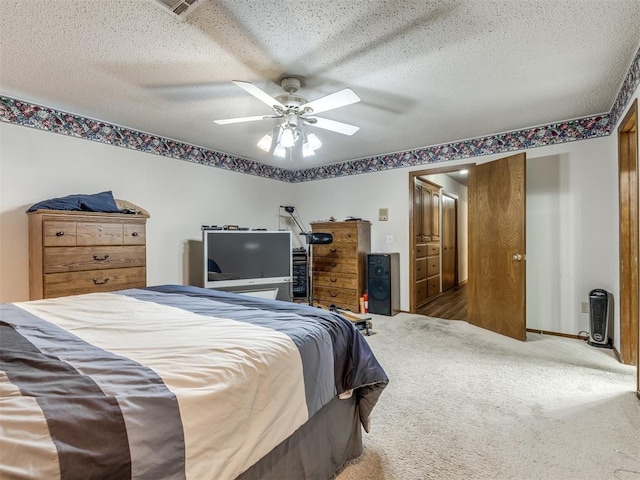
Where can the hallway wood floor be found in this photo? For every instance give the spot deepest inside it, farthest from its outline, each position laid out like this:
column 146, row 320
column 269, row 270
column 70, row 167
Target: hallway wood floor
column 451, row 305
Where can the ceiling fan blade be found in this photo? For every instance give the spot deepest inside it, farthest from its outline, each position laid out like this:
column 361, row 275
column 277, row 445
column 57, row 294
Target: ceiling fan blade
column 338, row 99
column 338, row 127
column 227, row 121
column 259, row 94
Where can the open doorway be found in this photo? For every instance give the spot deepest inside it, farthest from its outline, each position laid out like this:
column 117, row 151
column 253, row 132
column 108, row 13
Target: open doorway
column 496, row 291
column 439, row 233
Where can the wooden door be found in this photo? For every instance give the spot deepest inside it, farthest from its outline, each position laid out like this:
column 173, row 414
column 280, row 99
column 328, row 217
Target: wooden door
column 629, row 239
column 417, row 212
column 497, row 273
column 427, row 205
column 449, row 242
column 435, row 215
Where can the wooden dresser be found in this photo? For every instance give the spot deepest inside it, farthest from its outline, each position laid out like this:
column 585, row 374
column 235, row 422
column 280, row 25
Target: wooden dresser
column 340, row 268
column 83, row 252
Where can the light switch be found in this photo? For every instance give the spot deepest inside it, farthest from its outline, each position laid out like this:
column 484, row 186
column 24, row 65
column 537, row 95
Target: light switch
column 388, row 240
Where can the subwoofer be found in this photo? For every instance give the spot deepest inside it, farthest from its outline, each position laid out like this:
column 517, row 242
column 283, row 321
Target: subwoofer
column 383, row 283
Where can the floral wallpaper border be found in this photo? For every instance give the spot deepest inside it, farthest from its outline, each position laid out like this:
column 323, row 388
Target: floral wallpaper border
column 51, row 120
column 629, row 86
column 581, row 129
column 43, row 118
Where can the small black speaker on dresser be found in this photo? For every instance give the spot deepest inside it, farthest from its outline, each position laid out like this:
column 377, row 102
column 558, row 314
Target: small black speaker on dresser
column 383, row 283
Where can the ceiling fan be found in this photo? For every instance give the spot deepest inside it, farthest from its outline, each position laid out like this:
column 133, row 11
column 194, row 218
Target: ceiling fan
column 296, row 113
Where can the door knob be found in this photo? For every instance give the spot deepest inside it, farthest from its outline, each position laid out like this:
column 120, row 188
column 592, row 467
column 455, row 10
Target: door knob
column 516, row 257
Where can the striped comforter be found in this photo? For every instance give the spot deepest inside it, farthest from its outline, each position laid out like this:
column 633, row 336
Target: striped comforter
column 168, row 382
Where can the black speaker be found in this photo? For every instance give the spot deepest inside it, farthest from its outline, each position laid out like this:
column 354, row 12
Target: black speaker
column 383, row 283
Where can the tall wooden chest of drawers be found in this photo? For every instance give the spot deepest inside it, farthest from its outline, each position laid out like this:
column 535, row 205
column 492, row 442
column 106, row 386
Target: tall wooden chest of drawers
column 340, row 268
column 83, row 252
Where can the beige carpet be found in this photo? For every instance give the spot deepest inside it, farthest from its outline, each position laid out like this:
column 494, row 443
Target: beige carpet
column 465, row 403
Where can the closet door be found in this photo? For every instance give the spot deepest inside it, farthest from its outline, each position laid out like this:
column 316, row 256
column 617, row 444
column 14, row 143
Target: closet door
column 417, row 212
column 435, row 215
column 427, row 217
column 449, row 242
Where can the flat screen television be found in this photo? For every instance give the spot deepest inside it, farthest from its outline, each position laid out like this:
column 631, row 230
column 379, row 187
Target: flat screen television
column 237, row 258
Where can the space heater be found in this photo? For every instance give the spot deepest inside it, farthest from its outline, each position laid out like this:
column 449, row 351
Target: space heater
column 600, row 308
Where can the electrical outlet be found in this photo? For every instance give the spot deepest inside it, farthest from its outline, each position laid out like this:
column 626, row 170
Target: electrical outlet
column 388, row 239
column 383, row 214
column 584, row 307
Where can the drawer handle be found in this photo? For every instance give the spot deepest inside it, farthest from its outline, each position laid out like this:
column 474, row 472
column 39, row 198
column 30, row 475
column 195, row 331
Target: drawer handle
column 101, row 259
column 333, row 264
column 333, row 280
column 59, row 234
column 333, row 250
column 134, row 234
column 98, row 282
column 99, row 229
column 333, row 294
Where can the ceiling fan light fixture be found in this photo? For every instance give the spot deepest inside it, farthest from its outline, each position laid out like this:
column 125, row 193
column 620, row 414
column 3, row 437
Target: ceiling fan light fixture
column 313, row 141
column 287, row 138
column 307, row 151
column 280, row 151
column 290, row 136
column 265, row 142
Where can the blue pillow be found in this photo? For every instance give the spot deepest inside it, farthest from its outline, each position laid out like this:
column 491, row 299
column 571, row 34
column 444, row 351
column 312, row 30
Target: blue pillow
column 98, row 202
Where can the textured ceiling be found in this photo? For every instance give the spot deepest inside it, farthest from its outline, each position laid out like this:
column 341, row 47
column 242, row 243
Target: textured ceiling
column 427, row 72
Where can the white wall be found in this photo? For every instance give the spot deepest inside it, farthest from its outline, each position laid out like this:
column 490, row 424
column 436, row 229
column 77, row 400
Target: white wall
column 180, row 197
column 572, row 232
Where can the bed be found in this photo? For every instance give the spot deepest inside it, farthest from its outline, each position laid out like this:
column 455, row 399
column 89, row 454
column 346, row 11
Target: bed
column 181, row 382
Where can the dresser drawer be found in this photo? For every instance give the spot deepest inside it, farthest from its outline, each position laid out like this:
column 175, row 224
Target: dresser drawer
column 433, row 249
column 340, row 234
column 344, row 295
column 421, row 291
column 345, row 298
column 421, row 250
column 94, row 233
column 69, row 259
column 91, row 281
column 336, row 250
column 335, row 280
column 58, row 233
column 433, row 266
column 343, row 265
column 433, row 285
column 421, row 268
column 134, row 234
